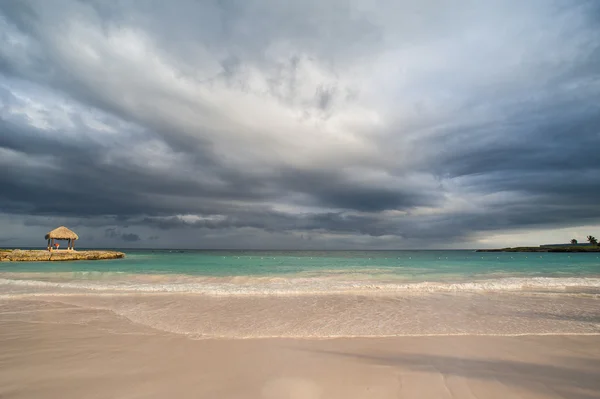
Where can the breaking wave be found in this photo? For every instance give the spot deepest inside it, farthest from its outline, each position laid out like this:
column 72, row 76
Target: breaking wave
column 276, row 286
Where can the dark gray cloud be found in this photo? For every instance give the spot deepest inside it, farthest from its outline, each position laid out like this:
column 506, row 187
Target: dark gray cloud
column 130, row 237
column 115, row 234
column 324, row 124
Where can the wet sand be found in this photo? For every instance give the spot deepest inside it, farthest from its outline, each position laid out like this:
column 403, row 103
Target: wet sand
column 58, row 350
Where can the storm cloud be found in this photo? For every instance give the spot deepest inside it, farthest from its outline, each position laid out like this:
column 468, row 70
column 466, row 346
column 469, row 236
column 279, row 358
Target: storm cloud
column 313, row 124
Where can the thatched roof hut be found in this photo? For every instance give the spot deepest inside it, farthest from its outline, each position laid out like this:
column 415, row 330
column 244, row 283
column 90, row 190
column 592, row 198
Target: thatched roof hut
column 61, row 233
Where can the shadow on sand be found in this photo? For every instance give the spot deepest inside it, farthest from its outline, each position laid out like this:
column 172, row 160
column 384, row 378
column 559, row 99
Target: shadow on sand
column 579, row 380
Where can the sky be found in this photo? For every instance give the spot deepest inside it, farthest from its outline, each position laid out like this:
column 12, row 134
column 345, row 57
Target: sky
column 314, row 124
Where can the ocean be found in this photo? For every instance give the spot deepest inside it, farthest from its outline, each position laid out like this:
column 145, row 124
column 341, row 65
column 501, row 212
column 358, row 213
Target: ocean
column 326, row 270
column 324, row 294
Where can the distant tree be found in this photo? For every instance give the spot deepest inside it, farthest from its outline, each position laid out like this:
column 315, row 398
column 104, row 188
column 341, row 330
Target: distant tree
column 592, row 240
column 574, row 241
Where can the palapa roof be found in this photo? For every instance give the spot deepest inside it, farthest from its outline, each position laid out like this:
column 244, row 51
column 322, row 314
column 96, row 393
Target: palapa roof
column 62, row 233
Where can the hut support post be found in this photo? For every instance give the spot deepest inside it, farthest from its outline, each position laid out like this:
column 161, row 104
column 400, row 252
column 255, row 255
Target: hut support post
column 61, row 234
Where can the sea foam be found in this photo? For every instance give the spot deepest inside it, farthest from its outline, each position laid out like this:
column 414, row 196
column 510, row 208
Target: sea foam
column 264, row 286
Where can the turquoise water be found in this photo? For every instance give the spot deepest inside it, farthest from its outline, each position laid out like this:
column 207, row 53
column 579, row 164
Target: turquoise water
column 404, row 265
column 258, row 294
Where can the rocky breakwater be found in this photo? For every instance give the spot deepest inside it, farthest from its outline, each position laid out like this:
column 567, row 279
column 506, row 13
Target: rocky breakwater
column 18, row 255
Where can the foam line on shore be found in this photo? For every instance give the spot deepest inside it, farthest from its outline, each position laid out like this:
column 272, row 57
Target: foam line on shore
column 309, row 286
column 346, row 336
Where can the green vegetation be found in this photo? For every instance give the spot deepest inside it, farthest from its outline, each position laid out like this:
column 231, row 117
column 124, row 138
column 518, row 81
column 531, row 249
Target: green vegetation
column 593, row 246
column 5, row 250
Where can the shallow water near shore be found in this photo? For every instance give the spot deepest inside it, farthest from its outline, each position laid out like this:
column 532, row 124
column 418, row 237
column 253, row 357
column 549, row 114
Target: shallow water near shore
column 405, row 265
column 312, row 272
column 299, row 294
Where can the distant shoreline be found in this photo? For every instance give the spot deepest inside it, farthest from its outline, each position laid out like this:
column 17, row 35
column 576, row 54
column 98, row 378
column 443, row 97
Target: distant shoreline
column 18, row 255
column 545, row 249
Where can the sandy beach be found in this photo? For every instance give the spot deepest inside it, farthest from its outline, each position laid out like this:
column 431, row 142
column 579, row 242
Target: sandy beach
column 54, row 349
column 299, row 199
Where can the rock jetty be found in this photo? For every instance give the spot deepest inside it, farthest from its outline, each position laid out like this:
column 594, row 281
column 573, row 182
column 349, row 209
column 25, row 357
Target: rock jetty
column 18, row 255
